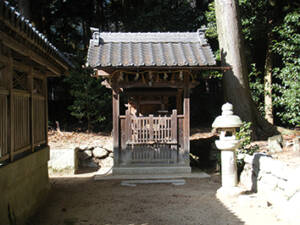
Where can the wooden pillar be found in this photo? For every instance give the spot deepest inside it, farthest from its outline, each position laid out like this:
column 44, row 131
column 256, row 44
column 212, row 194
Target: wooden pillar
column 151, row 131
column 9, row 78
column 174, row 126
column 127, row 130
column 179, row 101
column 186, row 122
column 116, row 125
column 31, row 100
column 45, row 90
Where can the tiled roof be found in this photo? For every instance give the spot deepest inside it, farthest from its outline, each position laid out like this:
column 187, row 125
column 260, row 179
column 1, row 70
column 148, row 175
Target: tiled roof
column 10, row 15
column 150, row 49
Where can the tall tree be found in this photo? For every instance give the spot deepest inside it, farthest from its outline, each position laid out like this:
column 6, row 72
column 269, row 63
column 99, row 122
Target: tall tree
column 236, row 85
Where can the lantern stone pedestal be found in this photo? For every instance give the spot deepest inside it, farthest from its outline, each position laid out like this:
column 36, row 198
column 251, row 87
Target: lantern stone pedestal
column 226, row 125
column 228, row 162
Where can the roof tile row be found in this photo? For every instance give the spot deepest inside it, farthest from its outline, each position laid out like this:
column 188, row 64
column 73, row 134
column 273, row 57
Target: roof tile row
column 148, row 53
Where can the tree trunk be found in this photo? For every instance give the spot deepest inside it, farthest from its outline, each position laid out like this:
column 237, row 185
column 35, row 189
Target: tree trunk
column 24, row 8
column 89, row 125
column 268, row 81
column 235, row 80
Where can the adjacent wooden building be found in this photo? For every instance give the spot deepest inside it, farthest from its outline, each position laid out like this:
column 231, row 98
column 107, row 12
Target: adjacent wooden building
column 27, row 58
column 154, row 72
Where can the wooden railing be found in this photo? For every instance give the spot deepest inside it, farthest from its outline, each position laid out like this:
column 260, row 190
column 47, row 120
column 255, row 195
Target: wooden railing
column 151, row 139
column 151, row 129
column 39, row 119
column 21, row 117
column 22, row 122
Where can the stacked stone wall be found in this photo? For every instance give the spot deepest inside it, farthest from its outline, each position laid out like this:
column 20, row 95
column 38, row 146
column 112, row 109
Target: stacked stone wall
column 275, row 182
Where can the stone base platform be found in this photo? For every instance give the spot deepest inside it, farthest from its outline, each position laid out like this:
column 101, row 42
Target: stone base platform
column 157, row 173
column 151, row 170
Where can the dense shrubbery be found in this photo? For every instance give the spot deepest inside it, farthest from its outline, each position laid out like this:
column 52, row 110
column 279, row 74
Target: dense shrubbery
column 92, row 101
column 244, row 135
column 287, row 47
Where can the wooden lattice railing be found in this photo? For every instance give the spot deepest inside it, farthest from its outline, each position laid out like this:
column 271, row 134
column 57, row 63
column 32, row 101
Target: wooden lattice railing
column 22, row 122
column 151, row 129
column 21, row 117
column 151, row 139
column 39, row 124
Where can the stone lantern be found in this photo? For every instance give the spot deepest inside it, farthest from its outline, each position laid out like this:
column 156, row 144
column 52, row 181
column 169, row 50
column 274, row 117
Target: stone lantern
column 226, row 126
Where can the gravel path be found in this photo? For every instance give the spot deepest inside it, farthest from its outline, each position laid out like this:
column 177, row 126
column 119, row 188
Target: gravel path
column 79, row 200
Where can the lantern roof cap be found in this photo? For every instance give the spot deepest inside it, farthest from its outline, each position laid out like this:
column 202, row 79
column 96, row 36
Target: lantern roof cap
column 227, row 119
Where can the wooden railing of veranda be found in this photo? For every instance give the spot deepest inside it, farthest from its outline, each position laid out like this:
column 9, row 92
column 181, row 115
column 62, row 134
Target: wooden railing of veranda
column 23, row 115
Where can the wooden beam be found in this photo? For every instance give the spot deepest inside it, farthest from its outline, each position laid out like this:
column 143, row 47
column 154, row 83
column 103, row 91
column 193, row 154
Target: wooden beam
column 143, row 79
column 45, row 89
column 32, row 42
column 40, row 75
column 116, row 125
column 160, row 84
column 155, row 69
column 21, row 49
column 25, row 64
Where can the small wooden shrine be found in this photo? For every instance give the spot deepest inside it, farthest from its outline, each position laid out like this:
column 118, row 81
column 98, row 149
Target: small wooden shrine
column 155, row 72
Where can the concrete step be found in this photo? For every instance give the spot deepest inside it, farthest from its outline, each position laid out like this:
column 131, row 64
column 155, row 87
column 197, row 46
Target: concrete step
column 110, row 176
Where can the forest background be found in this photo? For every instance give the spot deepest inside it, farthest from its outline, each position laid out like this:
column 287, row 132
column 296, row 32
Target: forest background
column 271, row 31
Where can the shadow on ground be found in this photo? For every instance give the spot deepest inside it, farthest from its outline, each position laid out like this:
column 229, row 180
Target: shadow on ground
column 83, row 201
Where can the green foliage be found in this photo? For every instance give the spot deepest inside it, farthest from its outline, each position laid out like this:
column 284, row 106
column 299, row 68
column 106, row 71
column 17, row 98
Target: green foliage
column 244, row 135
column 257, row 87
column 212, row 36
column 287, row 46
column 92, row 101
column 210, row 15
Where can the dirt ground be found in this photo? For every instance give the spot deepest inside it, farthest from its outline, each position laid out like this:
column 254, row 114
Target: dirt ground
column 79, row 200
